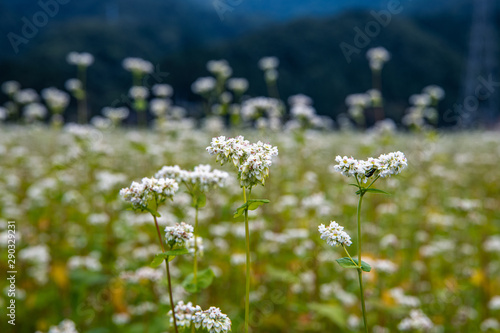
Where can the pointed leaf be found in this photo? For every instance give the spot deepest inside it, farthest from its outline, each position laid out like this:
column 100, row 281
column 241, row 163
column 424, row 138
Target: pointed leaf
column 152, row 211
column 346, row 262
column 335, row 313
column 170, row 255
column 240, row 210
column 255, row 203
column 376, row 190
column 204, row 280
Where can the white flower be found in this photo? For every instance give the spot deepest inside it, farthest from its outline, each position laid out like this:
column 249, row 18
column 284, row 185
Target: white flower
column 219, row 68
column 252, row 159
column 162, row 90
column 138, row 92
column 239, row 85
column 435, row 92
column 137, row 65
column 116, row 115
column 300, row 99
column 199, row 242
column 494, row 303
column 83, row 59
column 10, row 87
column 38, row 254
column 140, row 194
column 66, row 326
column 334, row 234
column 213, row 320
column 3, row 113
column 180, row 234
column 490, row 324
column 420, row 100
column 417, row 321
column 203, row 85
column 268, row 63
column 34, row 111
column 56, row 99
column 73, row 85
column 26, row 96
column 184, row 314
column 254, row 108
column 359, row 100
column 385, row 266
column 377, row 57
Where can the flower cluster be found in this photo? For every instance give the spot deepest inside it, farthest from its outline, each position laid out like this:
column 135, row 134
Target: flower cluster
column 140, row 194
column 213, row 320
column 83, row 59
column 334, row 234
column 66, row 326
column 417, row 321
column 252, row 159
column 202, row 176
column 137, row 65
column 383, row 166
column 255, row 108
column 179, row 234
column 184, row 314
column 377, row 57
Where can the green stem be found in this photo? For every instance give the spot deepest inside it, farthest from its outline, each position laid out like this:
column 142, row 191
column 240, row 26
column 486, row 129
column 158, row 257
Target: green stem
column 247, row 238
column 168, row 271
column 360, row 272
column 359, row 265
column 195, row 265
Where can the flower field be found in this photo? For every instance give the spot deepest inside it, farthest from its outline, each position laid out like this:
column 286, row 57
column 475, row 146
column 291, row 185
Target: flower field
column 83, row 255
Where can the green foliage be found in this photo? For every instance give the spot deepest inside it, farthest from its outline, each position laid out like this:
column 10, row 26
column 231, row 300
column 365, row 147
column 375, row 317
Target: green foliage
column 251, row 204
column 204, row 280
column 170, row 255
column 346, row 262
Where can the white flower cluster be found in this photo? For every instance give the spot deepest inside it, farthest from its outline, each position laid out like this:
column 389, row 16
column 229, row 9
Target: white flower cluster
column 334, row 234
column 56, row 99
column 10, row 87
column 416, row 321
column 219, row 68
column 180, row 234
column 83, row 59
column 202, row 176
column 143, row 273
column 34, row 111
column 213, row 320
column 184, row 314
column 252, row 159
column 384, row 166
column 139, row 194
column 66, row 326
column 377, row 57
column 88, row 262
column 162, row 90
column 204, row 85
column 239, row 85
column 138, row 92
column 137, row 65
column 255, row 108
column 26, row 96
column 116, row 115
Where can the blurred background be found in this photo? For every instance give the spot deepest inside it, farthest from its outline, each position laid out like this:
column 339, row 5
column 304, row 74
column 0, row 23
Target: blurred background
column 321, row 46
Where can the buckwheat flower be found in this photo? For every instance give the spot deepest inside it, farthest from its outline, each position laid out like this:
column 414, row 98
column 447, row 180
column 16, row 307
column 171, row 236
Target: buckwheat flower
column 347, row 166
column 138, row 92
column 219, row 68
column 213, row 320
column 435, row 92
column 184, row 314
column 238, row 85
column 26, row 96
column 494, row 303
column 300, row 99
column 121, row 318
column 416, row 321
column 57, row 100
column 358, row 100
column 334, row 234
column 66, row 326
column 421, row 100
column 199, row 242
column 254, row 108
column 140, row 194
column 73, row 85
column 83, row 59
column 34, row 111
column 203, row 85
column 10, row 87
column 159, row 107
column 3, row 113
column 386, row 266
column 162, row 90
column 377, row 57
column 268, row 63
column 116, row 115
column 391, row 164
column 490, row 324
column 180, row 234
column 137, row 65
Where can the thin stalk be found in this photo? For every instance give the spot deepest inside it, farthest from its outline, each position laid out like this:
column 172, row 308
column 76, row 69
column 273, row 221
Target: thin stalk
column 195, row 265
column 247, row 238
column 360, row 272
column 168, row 272
column 350, row 257
column 82, row 104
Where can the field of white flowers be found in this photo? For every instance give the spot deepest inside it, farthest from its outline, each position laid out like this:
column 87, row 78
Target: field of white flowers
column 83, row 255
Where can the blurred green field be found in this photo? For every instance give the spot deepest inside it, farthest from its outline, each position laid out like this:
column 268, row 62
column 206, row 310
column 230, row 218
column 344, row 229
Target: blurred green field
column 434, row 244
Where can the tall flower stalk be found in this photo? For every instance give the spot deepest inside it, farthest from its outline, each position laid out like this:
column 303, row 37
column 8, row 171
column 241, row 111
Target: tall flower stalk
column 82, row 61
column 252, row 160
column 368, row 171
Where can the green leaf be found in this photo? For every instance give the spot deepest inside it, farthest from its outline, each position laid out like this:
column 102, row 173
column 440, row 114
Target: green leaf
column 200, row 201
column 355, row 185
column 335, row 313
column 152, row 211
column 253, row 204
column 204, row 280
column 240, row 210
column 348, row 263
column 376, row 190
column 160, row 257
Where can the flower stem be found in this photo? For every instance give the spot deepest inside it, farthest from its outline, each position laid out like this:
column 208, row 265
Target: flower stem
column 195, row 265
column 360, row 272
column 247, row 238
column 168, row 271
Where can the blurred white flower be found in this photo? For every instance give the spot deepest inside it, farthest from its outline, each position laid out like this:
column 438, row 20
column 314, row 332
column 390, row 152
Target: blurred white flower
column 416, row 321
column 268, row 63
column 137, row 65
column 377, row 56
column 162, row 90
column 83, row 59
column 203, row 85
